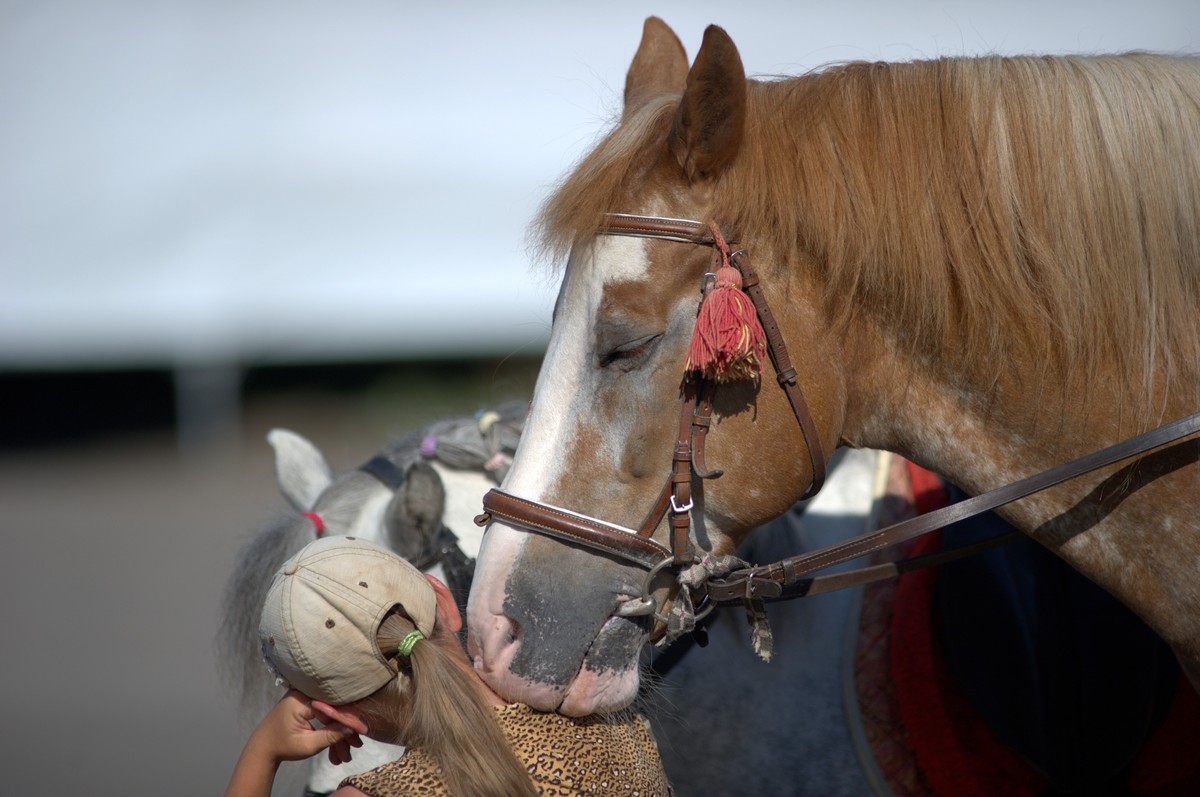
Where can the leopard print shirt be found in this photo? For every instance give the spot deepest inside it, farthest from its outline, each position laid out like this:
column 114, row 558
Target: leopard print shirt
column 565, row 757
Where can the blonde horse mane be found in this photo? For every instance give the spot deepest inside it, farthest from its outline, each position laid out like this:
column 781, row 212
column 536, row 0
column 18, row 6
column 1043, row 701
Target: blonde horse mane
column 969, row 205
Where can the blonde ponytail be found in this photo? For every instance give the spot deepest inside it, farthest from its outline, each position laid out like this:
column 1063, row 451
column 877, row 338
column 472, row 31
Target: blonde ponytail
column 437, row 706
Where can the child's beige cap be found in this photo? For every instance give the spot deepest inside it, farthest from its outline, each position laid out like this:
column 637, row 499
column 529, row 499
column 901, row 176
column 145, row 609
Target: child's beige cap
column 324, row 608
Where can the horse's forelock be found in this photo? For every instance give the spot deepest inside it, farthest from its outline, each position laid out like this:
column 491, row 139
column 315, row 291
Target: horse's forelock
column 605, row 179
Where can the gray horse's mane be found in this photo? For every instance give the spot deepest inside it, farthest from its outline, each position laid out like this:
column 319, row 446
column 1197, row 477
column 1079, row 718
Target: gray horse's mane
column 240, row 661
column 457, row 443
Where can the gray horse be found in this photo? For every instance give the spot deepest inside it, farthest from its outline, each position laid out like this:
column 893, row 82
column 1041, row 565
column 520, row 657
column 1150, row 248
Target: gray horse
column 726, row 722
column 406, row 497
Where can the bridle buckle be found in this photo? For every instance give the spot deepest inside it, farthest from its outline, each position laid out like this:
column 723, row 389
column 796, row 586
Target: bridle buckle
column 675, row 507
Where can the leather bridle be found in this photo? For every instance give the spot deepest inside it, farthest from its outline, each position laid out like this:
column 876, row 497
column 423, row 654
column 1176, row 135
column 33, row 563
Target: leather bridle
column 695, row 419
column 792, row 577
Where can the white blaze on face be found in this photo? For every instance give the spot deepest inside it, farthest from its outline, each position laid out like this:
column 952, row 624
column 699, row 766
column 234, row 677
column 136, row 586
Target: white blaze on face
column 564, row 390
column 564, row 387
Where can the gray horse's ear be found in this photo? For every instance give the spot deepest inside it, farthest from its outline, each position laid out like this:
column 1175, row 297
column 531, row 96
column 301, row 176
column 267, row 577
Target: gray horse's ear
column 415, row 515
column 659, row 67
column 300, row 468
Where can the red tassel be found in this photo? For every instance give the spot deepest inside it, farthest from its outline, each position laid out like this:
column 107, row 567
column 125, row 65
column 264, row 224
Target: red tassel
column 729, row 343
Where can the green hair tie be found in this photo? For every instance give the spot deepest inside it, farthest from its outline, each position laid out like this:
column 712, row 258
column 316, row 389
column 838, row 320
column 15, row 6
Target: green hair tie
column 410, row 639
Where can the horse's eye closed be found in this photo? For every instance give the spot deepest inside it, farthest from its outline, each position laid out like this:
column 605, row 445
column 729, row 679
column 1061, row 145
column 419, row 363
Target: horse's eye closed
column 628, row 353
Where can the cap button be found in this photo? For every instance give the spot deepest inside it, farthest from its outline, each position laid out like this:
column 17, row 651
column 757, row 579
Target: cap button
column 291, row 569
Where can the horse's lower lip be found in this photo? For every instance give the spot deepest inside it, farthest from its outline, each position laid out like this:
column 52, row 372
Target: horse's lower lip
column 599, row 685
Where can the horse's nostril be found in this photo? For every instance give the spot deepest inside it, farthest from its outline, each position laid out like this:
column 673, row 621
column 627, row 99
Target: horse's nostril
column 510, row 635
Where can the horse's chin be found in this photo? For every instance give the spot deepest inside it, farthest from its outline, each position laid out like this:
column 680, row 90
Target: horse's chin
column 589, row 692
column 597, row 693
column 607, row 679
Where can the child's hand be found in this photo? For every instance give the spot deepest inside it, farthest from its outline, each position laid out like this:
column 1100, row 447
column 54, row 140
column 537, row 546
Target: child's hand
column 286, row 733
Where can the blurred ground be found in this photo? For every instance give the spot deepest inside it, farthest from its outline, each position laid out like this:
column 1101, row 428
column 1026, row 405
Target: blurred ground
column 118, row 548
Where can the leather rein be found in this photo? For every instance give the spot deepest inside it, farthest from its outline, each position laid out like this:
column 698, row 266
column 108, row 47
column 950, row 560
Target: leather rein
column 792, row 577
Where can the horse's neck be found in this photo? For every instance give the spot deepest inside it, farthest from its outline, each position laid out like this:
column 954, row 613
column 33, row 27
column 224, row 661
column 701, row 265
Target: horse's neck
column 944, row 431
column 1102, row 524
column 979, row 435
column 983, row 425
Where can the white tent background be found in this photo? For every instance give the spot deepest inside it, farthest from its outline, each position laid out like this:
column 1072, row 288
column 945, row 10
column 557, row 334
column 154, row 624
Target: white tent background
column 199, row 184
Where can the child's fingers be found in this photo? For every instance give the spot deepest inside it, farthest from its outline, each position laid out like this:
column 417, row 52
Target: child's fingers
column 339, row 752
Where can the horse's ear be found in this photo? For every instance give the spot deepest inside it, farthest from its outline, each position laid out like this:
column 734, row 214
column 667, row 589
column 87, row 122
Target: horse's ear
column 415, row 514
column 659, row 66
column 300, row 468
column 425, row 495
column 712, row 115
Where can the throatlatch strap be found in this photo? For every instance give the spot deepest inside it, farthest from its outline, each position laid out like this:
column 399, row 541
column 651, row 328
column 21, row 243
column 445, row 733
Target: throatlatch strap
column 786, row 373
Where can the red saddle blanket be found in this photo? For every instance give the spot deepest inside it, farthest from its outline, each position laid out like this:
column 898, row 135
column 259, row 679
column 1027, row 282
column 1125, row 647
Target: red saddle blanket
column 927, row 739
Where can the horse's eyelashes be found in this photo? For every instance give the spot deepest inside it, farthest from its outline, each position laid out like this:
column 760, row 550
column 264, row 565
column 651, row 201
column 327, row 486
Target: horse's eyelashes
column 630, row 351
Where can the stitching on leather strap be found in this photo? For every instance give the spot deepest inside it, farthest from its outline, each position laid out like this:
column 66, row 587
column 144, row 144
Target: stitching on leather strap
column 561, row 524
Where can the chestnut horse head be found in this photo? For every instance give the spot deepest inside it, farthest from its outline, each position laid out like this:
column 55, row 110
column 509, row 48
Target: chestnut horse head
column 989, row 266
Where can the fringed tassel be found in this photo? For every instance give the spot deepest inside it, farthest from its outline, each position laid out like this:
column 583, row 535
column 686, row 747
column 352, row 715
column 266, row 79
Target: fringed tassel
column 728, row 343
column 761, row 637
